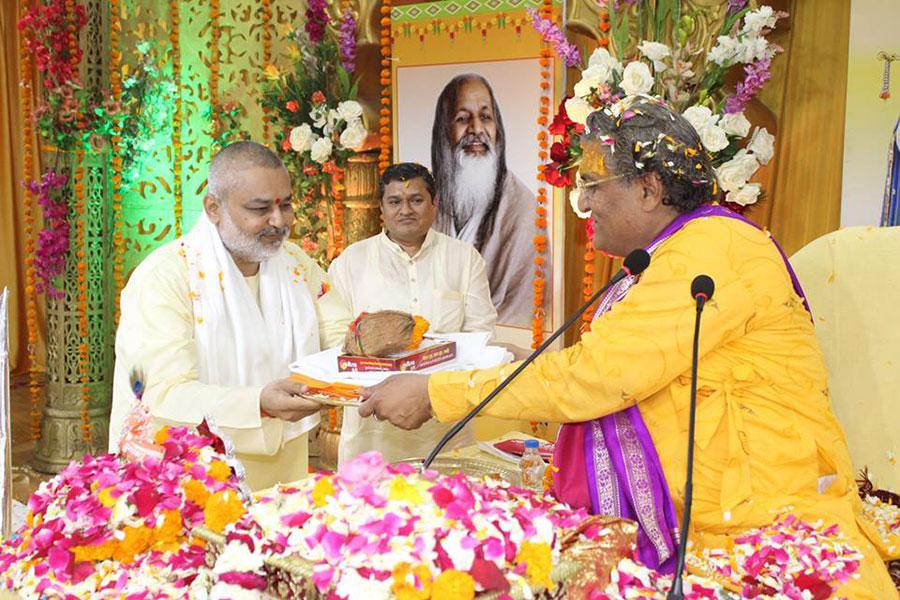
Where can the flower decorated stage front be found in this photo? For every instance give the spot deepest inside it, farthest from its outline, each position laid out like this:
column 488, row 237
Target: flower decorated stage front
column 179, row 525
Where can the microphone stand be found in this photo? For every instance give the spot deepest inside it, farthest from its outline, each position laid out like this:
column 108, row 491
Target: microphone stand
column 634, row 264
column 676, row 592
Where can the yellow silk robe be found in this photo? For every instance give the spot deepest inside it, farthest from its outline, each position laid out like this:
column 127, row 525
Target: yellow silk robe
column 766, row 436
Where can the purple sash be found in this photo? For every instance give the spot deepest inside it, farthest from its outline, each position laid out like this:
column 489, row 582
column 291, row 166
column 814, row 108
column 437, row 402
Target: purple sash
column 611, row 462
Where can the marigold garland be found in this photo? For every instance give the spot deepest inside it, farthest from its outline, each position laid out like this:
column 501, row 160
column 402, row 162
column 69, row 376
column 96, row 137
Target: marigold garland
column 384, row 122
column 267, row 55
column 115, row 83
column 175, row 22
column 215, row 34
column 31, row 316
column 82, row 302
column 589, row 255
column 540, row 221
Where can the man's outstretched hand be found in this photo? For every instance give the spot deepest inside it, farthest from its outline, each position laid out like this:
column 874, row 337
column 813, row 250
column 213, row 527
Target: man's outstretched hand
column 281, row 399
column 401, row 399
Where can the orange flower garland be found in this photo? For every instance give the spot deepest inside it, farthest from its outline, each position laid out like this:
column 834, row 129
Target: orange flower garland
column 540, row 221
column 384, row 122
column 83, row 329
column 115, row 83
column 267, row 54
column 175, row 22
column 81, row 254
column 215, row 34
column 337, row 194
column 589, row 255
column 31, row 324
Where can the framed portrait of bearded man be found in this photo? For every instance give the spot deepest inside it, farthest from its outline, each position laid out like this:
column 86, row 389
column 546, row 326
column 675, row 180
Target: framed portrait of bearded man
column 469, row 84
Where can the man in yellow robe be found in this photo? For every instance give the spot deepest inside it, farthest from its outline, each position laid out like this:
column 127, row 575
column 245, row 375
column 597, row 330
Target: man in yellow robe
column 214, row 318
column 767, row 441
column 412, row 268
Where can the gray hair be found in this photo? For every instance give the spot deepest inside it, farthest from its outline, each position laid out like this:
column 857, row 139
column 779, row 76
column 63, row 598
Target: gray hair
column 649, row 137
column 442, row 161
column 233, row 158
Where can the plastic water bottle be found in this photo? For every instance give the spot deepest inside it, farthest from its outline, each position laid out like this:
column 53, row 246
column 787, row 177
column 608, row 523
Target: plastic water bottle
column 532, row 467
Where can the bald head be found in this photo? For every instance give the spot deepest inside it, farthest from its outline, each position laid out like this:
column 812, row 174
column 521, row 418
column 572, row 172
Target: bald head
column 234, row 158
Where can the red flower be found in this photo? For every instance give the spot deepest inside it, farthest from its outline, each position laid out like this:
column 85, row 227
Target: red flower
column 558, row 152
column 318, row 97
column 286, row 143
column 556, row 177
column 292, row 105
column 561, row 121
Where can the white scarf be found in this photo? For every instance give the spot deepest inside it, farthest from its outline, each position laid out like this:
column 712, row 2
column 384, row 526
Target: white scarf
column 240, row 342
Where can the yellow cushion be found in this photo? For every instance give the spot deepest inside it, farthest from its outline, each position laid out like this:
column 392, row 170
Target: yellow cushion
column 852, row 281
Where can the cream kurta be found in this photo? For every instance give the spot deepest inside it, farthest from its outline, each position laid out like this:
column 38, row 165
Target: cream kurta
column 156, row 333
column 444, row 282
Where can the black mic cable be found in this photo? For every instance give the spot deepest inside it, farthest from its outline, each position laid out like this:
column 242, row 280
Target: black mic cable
column 634, row 264
column 702, row 289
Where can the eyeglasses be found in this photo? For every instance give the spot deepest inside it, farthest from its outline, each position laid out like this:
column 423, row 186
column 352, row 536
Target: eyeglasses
column 582, row 185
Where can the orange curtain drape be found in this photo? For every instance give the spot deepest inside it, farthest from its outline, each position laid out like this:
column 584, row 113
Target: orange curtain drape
column 12, row 226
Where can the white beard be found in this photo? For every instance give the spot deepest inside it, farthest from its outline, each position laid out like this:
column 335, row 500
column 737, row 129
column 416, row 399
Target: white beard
column 473, row 191
column 241, row 245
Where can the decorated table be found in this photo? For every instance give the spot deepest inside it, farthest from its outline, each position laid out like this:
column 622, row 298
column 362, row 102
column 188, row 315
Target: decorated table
column 175, row 521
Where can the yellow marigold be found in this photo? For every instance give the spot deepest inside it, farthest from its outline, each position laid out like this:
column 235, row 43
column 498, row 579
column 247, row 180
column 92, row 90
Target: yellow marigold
column 137, row 540
column 161, row 435
column 223, row 508
column 170, row 529
column 94, row 552
column 196, row 492
column 418, row 334
column 271, row 72
column 219, row 471
column 411, row 583
column 402, row 490
column 453, row 585
column 538, row 562
column 105, row 497
column 323, row 490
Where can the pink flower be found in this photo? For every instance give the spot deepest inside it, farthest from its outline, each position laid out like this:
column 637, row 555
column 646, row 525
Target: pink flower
column 365, row 469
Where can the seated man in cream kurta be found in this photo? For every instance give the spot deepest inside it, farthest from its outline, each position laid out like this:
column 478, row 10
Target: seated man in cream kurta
column 415, row 269
column 214, row 318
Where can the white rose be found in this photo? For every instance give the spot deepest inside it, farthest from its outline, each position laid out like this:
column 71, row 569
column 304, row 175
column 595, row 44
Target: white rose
column 321, row 150
column 762, row 145
column 602, row 58
column 302, row 138
column 574, row 196
column 354, row 135
column 636, row 79
column 699, row 117
column 349, row 110
column 317, row 115
column 578, row 110
column 713, row 138
column 724, row 51
column 705, row 122
column 757, row 20
column 735, row 173
column 656, row 52
column 744, row 196
column 735, row 124
column 591, row 79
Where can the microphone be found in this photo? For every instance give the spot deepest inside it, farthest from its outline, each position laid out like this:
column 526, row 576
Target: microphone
column 702, row 289
column 634, row 264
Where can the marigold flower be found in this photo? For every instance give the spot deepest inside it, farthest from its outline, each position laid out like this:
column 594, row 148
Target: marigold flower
column 453, row 585
column 323, row 490
column 223, row 508
column 538, row 563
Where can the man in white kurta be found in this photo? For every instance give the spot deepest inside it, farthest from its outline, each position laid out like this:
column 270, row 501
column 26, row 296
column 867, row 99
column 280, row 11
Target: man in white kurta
column 214, row 318
column 412, row 268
